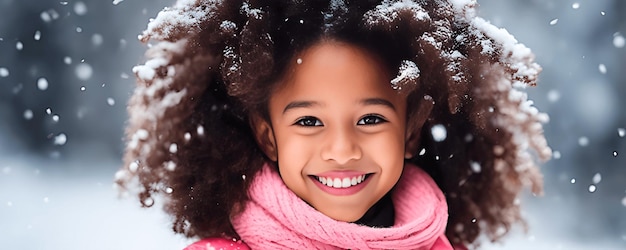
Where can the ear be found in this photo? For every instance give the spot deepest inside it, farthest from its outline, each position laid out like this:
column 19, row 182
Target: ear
column 415, row 121
column 264, row 135
column 410, row 144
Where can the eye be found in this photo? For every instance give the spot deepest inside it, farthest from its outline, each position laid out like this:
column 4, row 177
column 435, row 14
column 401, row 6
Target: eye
column 371, row 120
column 308, row 121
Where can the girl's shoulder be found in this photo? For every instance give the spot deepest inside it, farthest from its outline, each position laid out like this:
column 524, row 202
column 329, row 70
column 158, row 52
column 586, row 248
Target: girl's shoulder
column 218, row 244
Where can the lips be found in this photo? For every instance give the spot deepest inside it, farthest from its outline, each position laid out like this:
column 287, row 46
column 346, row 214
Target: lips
column 341, row 183
column 344, row 182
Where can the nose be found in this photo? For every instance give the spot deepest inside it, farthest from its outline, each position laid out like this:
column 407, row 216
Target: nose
column 341, row 145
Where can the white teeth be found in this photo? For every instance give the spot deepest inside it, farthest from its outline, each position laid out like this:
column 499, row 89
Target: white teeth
column 336, row 183
column 345, row 183
column 341, row 183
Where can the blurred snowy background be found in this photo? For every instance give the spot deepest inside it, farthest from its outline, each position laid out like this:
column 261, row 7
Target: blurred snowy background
column 65, row 76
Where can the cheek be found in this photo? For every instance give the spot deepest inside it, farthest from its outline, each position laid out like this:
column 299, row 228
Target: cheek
column 294, row 151
column 293, row 154
column 388, row 146
column 388, row 153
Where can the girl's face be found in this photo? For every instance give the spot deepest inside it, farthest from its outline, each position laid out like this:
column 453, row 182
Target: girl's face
column 337, row 130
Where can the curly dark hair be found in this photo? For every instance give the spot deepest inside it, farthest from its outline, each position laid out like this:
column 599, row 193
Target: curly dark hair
column 212, row 64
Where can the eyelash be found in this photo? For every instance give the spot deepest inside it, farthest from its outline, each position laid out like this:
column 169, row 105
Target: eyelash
column 310, row 121
column 377, row 120
column 302, row 121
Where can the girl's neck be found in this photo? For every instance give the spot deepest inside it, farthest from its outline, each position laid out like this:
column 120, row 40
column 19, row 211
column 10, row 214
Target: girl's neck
column 381, row 214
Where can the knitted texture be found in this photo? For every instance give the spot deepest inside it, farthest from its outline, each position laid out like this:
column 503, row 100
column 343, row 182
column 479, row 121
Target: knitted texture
column 276, row 218
column 217, row 244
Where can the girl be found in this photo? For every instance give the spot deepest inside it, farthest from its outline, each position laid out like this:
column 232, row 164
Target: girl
column 333, row 124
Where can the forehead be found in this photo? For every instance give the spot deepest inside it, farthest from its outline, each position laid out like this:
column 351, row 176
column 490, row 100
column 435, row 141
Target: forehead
column 334, row 69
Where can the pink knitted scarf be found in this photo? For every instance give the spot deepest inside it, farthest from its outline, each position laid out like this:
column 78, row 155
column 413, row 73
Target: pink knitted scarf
column 276, row 218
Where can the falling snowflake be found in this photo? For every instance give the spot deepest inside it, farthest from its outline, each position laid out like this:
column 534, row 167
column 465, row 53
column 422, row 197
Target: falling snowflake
column 83, row 71
column 28, row 114
column 475, row 167
column 554, row 95
column 97, row 39
column 173, row 148
column 4, row 72
column 200, row 130
column 439, row 132
column 42, row 84
column 80, row 8
column 148, row 201
column 133, row 166
column 554, row 21
column 170, row 166
column 592, row 188
column 49, row 15
column 597, row 178
column 618, row 40
column 60, row 139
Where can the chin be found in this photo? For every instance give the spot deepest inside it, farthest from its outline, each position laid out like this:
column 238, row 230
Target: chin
column 345, row 216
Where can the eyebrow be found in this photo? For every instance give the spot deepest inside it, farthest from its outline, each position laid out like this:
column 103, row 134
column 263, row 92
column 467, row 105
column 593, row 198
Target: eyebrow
column 300, row 104
column 378, row 101
column 367, row 101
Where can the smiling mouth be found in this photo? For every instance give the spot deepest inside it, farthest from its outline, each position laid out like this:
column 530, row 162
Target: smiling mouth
column 341, row 182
